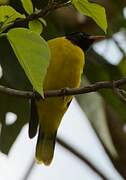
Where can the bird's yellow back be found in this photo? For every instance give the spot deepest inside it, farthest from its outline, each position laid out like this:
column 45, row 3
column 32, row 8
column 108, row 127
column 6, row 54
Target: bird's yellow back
column 65, row 69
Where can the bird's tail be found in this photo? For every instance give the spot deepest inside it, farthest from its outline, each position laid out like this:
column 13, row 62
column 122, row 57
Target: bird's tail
column 45, row 147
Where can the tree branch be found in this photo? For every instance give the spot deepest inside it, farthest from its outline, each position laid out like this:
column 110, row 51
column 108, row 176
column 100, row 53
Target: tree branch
column 42, row 13
column 81, row 157
column 66, row 91
column 119, row 46
column 29, row 170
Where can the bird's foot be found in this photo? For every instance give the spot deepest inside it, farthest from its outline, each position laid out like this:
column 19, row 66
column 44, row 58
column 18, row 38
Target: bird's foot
column 63, row 92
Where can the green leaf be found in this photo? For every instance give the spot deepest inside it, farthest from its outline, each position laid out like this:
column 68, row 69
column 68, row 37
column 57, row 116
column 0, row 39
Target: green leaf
column 33, row 54
column 93, row 10
column 10, row 132
column 28, row 6
column 9, row 14
column 43, row 21
column 3, row 2
column 13, row 76
column 35, row 26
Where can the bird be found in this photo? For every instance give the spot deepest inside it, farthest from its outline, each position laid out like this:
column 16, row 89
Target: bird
column 64, row 71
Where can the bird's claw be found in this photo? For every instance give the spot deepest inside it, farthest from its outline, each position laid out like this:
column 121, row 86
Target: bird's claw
column 63, row 91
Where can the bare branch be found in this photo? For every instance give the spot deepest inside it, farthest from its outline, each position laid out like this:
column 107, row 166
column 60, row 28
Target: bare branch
column 80, row 157
column 66, row 91
column 118, row 92
column 29, row 170
column 120, row 48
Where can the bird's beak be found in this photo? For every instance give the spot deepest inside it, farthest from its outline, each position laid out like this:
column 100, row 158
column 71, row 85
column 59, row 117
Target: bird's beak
column 96, row 38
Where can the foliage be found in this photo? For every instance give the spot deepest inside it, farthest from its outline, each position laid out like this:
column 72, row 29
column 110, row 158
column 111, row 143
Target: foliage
column 28, row 6
column 10, row 15
column 93, row 10
column 34, row 60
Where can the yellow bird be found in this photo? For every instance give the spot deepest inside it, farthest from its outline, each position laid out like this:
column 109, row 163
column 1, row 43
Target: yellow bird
column 65, row 69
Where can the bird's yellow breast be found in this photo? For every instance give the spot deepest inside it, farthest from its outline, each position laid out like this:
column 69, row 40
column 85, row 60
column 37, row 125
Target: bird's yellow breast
column 66, row 65
column 65, row 69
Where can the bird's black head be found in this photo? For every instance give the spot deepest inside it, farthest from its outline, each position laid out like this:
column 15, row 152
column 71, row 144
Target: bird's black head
column 83, row 40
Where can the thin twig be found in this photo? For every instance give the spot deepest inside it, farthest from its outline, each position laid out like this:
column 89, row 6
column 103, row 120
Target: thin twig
column 41, row 13
column 118, row 92
column 66, row 91
column 29, row 170
column 120, row 48
column 81, row 157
